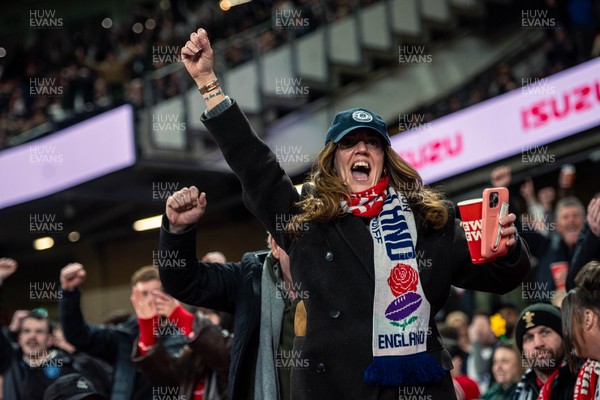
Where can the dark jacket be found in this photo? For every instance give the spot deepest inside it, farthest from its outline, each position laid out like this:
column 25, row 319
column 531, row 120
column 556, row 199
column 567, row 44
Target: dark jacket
column 540, row 286
column 497, row 392
column 19, row 382
column 333, row 263
column 113, row 345
column 586, row 250
column 562, row 387
column 231, row 287
column 205, row 357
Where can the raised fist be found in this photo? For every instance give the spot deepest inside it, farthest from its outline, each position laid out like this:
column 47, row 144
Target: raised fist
column 185, row 207
column 501, row 176
column 197, row 56
column 72, row 276
column 8, row 266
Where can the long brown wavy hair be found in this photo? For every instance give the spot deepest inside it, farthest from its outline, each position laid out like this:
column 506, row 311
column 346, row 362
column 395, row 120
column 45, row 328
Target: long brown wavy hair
column 586, row 295
column 322, row 204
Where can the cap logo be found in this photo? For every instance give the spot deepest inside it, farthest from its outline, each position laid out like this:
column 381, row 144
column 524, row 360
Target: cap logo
column 528, row 318
column 81, row 384
column 362, row 116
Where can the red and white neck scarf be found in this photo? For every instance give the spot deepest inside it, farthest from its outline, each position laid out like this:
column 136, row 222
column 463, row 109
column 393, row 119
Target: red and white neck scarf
column 546, row 390
column 401, row 312
column 586, row 386
column 367, row 203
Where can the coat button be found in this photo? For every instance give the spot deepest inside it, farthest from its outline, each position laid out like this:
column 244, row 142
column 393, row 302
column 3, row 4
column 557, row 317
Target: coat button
column 329, row 256
column 320, row 368
column 334, row 314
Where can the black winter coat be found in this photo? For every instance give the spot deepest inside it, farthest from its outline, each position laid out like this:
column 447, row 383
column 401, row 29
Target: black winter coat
column 113, row 345
column 333, row 264
column 233, row 287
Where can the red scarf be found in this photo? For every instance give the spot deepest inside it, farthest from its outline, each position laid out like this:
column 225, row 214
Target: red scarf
column 199, row 391
column 587, row 379
column 367, row 203
column 546, row 391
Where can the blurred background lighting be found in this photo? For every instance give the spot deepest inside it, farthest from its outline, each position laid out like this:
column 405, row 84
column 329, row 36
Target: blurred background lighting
column 74, row 236
column 107, row 23
column 137, row 27
column 150, row 24
column 43, row 243
column 147, row 223
column 227, row 4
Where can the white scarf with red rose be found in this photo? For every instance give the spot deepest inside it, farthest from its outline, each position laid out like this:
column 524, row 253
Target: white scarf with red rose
column 401, row 312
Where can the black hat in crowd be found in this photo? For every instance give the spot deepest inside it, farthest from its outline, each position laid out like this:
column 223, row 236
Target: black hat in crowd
column 71, row 387
column 348, row 120
column 536, row 315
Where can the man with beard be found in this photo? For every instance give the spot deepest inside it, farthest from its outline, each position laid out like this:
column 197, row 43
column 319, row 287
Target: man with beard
column 539, row 338
column 32, row 364
column 551, row 242
column 557, row 248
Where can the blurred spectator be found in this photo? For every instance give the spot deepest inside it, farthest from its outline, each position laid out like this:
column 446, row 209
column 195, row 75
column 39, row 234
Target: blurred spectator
column 539, row 209
column 201, row 370
column 554, row 251
column 465, row 387
column 560, row 50
column 556, row 248
column 581, row 317
column 258, row 290
column 479, row 359
column 134, row 92
column 30, row 366
column 507, row 370
column 581, row 325
column 538, row 335
column 460, row 322
column 588, row 243
column 15, row 323
column 112, row 344
column 510, row 313
column 113, row 70
column 73, row 387
column 504, row 81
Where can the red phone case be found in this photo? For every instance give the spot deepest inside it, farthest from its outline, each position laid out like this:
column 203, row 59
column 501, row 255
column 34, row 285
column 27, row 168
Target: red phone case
column 495, row 206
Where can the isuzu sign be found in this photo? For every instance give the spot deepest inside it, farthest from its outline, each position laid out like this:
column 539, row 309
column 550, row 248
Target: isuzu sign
column 541, row 112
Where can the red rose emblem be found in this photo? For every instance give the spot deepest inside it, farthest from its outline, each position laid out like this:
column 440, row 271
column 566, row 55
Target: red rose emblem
column 403, row 279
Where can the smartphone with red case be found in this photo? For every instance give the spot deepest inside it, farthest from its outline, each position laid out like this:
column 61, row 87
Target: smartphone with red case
column 495, row 206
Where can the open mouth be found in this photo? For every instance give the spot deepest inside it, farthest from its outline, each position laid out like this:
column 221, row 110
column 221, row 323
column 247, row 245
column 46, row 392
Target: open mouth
column 360, row 171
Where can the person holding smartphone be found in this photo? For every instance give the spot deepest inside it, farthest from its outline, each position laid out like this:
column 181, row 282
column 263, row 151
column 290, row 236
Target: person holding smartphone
column 356, row 244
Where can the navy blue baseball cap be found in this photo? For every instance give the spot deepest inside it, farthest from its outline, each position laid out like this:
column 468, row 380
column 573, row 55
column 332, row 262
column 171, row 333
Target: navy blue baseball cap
column 348, row 120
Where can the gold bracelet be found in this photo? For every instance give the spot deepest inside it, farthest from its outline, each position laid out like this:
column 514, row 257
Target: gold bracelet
column 212, row 85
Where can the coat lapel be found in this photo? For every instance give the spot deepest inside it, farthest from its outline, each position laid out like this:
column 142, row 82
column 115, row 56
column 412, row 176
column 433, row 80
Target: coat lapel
column 355, row 234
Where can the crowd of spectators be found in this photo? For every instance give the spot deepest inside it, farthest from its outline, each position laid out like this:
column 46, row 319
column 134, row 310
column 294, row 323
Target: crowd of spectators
column 500, row 351
column 573, row 39
column 69, row 74
column 79, row 70
column 510, row 348
column 89, row 66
